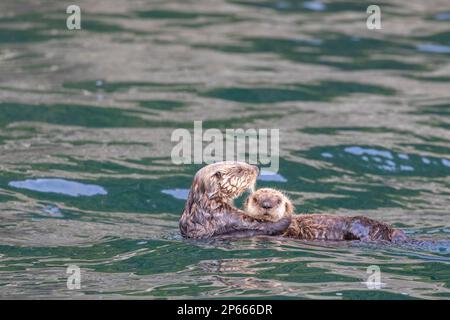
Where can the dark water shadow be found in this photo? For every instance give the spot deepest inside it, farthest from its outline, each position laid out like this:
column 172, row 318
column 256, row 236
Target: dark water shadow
column 356, row 53
column 323, row 91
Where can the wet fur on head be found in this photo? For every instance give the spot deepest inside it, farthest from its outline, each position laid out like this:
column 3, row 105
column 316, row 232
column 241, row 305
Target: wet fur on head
column 268, row 205
column 223, row 181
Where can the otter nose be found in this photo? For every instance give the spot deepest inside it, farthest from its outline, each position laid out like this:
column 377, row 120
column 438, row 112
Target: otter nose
column 266, row 205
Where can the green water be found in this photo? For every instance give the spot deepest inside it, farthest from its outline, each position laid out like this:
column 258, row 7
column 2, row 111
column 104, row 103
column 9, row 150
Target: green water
column 86, row 118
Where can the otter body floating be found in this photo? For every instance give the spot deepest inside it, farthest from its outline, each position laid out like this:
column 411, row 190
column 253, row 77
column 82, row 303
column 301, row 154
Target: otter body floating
column 209, row 209
column 272, row 205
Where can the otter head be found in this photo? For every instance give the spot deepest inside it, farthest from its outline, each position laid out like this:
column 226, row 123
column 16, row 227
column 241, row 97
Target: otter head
column 225, row 180
column 268, row 204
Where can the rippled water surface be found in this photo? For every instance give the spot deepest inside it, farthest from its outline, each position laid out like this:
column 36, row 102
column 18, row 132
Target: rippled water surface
column 86, row 118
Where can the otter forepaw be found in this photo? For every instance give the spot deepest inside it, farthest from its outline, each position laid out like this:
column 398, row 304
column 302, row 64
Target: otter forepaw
column 280, row 226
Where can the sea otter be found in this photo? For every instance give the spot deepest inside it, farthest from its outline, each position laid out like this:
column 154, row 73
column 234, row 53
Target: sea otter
column 209, row 209
column 272, row 205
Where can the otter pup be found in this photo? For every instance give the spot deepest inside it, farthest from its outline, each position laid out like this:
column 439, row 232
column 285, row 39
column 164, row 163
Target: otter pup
column 272, row 205
column 209, row 209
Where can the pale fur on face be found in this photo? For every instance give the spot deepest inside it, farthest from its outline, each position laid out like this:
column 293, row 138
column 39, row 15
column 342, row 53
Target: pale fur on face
column 268, row 204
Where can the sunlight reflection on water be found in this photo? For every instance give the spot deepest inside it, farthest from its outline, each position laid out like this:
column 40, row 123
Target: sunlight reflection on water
column 69, row 188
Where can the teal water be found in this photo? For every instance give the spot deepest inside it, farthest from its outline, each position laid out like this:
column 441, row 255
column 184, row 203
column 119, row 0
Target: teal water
column 86, row 117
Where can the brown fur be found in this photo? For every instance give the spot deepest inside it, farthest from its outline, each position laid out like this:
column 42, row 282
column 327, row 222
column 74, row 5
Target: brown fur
column 271, row 205
column 209, row 209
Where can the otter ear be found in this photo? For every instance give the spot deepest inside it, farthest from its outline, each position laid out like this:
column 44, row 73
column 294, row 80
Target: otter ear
column 218, row 174
column 289, row 207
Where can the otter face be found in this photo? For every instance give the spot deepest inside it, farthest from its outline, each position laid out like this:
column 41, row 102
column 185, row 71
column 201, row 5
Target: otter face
column 225, row 180
column 268, row 204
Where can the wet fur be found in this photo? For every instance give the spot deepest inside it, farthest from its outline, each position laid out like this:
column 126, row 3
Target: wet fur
column 331, row 227
column 318, row 226
column 209, row 209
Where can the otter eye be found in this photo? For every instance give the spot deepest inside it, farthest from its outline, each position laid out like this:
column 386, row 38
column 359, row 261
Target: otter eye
column 279, row 201
column 218, row 174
